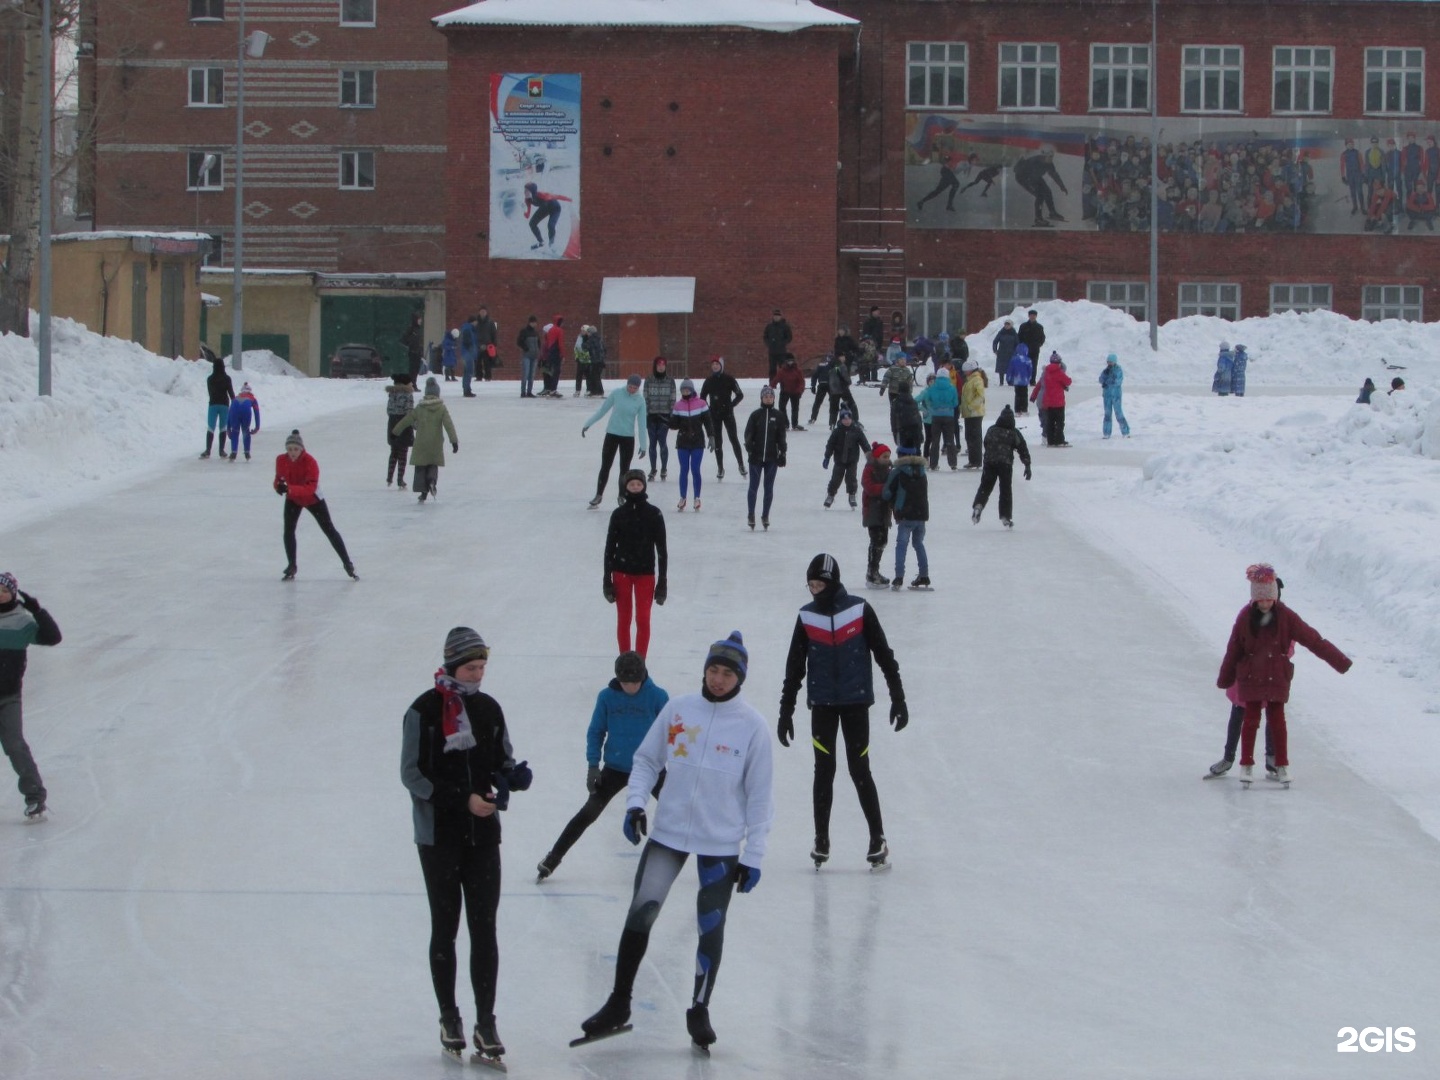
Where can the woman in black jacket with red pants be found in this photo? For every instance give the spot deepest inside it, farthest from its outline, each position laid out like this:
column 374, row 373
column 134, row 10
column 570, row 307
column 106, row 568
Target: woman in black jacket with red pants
column 457, row 765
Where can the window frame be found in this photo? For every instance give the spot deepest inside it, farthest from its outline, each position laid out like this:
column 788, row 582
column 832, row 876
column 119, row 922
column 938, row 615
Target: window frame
column 946, row 294
column 1200, row 69
column 1374, row 307
column 194, row 181
column 1309, row 304
column 931, row 66
column 1128, row 304
column 1129, row 69
column 1025, row 294
column 1382, row 51
column 357, row 157
column 210, row 5
column 212, row 72
column 370, row 22
column 357, row 78
column 1037, row 67
column 1310, row 70
column 1215, row 308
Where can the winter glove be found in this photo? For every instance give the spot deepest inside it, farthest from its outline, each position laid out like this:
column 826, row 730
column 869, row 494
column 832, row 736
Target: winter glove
column 661, row 592
column 281, row 487
column 608, row 588
column 501, row 798
column 583, row 430
column 1027, row 472
column 746, row 877
column 592, row 779
column 710, row 445
column 899, row 715
column 29, row 603
column 634, row 827
column 780, row 462
column 786, row 728
column 826, row 463
column 519, row 776
column 454, row 447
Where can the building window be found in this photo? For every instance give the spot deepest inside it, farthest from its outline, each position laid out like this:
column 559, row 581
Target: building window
column 1208, row 298
column 207, row 87
column 1029, row 76
column 357, row 89
column 1299, row 298
column 1394, row 80
column 1010, row 295
column 936, row 74
column 357, row 170
column 1302, row 80
column 1211, row 78
column 1131, row 297
column 1392, row 302
column 1120, row 78
column 357, row 12
column 935, row 305
column 215, row 252
column 206, row 171
column 207, row 9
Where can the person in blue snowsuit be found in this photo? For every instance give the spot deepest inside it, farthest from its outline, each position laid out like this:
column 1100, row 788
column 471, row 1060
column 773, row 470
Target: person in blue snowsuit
column 1112, row 380
column 1238, row 364
column 244, row 411
column 469, row 353
column 1224, row 366
column 1017, row 374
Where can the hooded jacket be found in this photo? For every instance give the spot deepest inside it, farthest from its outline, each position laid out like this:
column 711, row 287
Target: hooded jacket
column 874, row 510
column 1003, row 441
column 835, row 635
column 1019, row 370
column 635, row 541
column 908, row 490
column 432, row 423
column 21, row 627
column 691, row 422
column 218, row 384
column 620, row 721
column 846, row 444
column 1050, row 391
column 765, row 436
column 791, row 378
column 722, row 392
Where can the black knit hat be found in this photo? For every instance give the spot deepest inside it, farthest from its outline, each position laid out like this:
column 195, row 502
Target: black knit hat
column 823, row 568
column 630, row 667
column 463, row 645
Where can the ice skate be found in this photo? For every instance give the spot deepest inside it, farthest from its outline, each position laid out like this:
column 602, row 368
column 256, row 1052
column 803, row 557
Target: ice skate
column 452, row 1034
column 488, row 1047
column 898, row 583
column 1007, row 523
column 820, row 853
column 34, row 809
column 1270, row 766
column 595, row 502
column 975, row 515
column 828, row 500
column 545, row 867
column 697, row 1022
column 612, row 1019
column 720, row 473
column 765, row 523
column 751, row 519
column 742, row 469
column 1220, row 768
column 1282, row 776
column 1247, row 774
column 852, row 502
column 680, row 505
column 921, row 583
column 874, row 577
column 652, row 476
column 289, row 574
column 879, row 854
column 350, row 570
column 425, row 494
column 697, row 504
column 662, row 476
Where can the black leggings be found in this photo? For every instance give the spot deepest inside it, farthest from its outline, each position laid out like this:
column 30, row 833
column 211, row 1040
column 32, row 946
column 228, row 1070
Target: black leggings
column 321, row 514
column 991, row 473
column 471, row 874
column 625, row 444
column 719, row 424
column 612, row 782
column 854, row 722
column 659, row 866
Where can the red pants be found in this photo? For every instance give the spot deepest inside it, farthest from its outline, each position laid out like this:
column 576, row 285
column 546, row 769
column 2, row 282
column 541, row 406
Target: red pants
column 633, row 592
column 1275, row 719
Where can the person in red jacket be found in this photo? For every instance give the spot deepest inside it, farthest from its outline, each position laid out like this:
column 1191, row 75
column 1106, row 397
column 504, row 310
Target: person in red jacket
column 1257, row 663
column 552, row 356
column 792, row 389
column 1050, row 392
column 297, row 477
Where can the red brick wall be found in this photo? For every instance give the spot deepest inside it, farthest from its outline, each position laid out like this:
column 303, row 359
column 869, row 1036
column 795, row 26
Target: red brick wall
column 746, row 205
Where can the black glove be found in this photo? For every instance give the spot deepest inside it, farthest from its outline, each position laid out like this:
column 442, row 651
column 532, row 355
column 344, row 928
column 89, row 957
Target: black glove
column 826, row 463
column 1027, row 472
column 780, row 462
column 634, row 826
column 501, row 798
column 454, row 447
column 281, row 487
column 786, row 728
column 899, row 715
column 592, row 779
column 583, row 430
column 29, row 603
column 661, row 592
column 519, row 776
column 608, row 588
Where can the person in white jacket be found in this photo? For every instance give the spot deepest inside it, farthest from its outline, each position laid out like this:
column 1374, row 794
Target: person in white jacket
column 716, row 804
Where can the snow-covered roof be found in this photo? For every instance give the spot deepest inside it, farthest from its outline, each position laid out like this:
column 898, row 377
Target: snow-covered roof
column 776, row 16
column 647, row 295
column 130, row 234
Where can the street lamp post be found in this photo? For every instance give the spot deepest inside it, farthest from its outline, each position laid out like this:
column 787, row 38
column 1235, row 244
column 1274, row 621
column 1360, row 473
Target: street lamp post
column 252, row 45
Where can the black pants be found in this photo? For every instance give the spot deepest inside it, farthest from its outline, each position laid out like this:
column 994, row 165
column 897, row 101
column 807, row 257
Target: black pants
column 792, row 402
column 879, row 537
column 931, row 449
column 761, row 470
column 582, row 377
column 992, row 473
column 1022, row 399
column 853, row 722
column 1055, row 423
column 625, row 445
column 842, row 470
column 659, row 867
column 821, row 393
column 719, row 424
column 612, row 782
column 974, row 440
column 321, row 514
column 399, row 449
column 470, row 875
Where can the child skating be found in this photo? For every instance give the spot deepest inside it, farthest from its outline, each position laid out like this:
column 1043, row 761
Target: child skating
column 846, row 446
column 907, row 490
column 875, row 512
column 1002, row 442
column 399, row 400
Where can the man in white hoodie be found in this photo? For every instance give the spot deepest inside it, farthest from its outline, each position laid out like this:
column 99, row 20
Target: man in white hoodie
column 715, row 752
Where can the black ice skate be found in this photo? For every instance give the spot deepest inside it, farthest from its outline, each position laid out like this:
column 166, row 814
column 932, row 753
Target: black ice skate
column 697, row 1022
column 350, row 569
column 289, row 574
column 488, row 1047
column 612, row 1019
column 820, row 853
column 452, row 1034
column 34, row 809
column 545, row 867
column 879, row 855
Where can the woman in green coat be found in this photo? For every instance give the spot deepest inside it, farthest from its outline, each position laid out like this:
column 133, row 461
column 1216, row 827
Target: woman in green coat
column 431, row 421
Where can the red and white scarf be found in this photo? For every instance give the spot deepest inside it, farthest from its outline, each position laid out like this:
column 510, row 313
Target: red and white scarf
column 453, row 719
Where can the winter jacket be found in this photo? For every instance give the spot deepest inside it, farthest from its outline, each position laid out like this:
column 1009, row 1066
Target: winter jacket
column 219, row 386
column 448, row 352
column 718, row 777
column 487, row 333
column 895, row 379
column 1257, row 659
column 441, row 783
column 1003, row 346
column 414, row 341
column 21, row 627
column 660, row 394
column 846, row 443
column 691, row 422
column 777, row 337
column 552, row 348
column 941, row 396
column 835, row 635
column 244, row 411
column 765, row 436
column 1019, row 370
column 635, row 541
column 1032, row 336
column 619, row 722
column 528, row 341
column 1050, row 391
column 1003, row 441
column 905, row 415
column 1238, row 365
column 838, row 377
column 791, row 378
column 1365, row 392
column 627, row 415
column 432, row 423
column 972, row 400
column 1224, row 367
column 722, row 393
column 907, row 490
column 820, row 380
column 874, row 510
column 301, row 478
column 399, row 400
column 469, row 342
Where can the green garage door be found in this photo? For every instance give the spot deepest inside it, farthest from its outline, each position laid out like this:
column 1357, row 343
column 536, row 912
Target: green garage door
column 367, row 320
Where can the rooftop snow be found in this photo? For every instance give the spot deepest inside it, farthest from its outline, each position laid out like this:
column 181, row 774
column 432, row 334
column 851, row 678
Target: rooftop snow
column 777, row 16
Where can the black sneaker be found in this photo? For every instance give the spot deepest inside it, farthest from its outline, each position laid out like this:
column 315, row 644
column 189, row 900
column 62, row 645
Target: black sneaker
column 697, row 1022
column 486, row 1038
column 613, row 1015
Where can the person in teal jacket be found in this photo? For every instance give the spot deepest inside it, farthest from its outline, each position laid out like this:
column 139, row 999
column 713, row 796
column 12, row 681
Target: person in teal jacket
column 1112, row 380
column 626, row 407
column 942, row 400
column 624, row 711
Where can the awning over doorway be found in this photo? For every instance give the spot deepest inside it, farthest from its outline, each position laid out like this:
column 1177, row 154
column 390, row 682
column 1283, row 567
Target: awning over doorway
column 647, row 296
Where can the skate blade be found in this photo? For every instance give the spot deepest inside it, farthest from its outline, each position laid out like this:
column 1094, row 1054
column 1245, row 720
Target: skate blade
column 876, row 868
column 457, row 1056
column 700, row 1049
column 584, row 1039
column 477, row 1058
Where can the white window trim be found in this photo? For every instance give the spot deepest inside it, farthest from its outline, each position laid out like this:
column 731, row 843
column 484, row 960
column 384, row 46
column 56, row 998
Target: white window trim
column 374, row 5
column 1365, row 81
column 1201, row 110
column 209, row 18
column 964, row 65
column 948, row 302
column 1375, row 312
column 356, row 186
column 1275, row 69
column 191, row 103
column 1312, row 286
column 1186, row 309
column 219, row 169
column 1107, row 284
column 1020, row 65
column 1024, row 301
column 1148, row 67
column 374, row 88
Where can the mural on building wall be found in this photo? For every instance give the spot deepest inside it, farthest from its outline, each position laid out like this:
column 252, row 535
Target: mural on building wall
column 1217, row 174
column 534, row 166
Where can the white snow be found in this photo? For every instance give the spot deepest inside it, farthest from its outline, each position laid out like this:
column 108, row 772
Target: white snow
column 783, row 16
column 227, row 885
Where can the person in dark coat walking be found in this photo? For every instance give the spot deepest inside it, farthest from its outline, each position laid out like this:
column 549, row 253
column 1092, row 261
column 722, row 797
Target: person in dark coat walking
column 765, row 447
column 635, row 562
column 722, row 393
column 221, row 392
column 846, row 445
column 874, row 326
column 487, row 342
column 23, row 622
column 1032, row 335
column 777, row 337
column 792, row 388
column 414, row 341
column 835, row 636
column 1003, row 346
column 1002, row 443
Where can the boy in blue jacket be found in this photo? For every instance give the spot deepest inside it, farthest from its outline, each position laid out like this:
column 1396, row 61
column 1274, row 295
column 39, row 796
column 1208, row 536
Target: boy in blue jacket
column 624, row 712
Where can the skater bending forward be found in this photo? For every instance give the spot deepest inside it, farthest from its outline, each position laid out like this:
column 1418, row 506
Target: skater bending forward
column 716, row 805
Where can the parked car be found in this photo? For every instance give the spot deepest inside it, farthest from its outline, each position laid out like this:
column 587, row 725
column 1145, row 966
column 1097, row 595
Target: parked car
column 357, row 362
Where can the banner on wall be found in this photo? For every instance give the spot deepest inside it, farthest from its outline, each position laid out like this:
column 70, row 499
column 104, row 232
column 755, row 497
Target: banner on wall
column 534, row 166
column 1217, row 175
